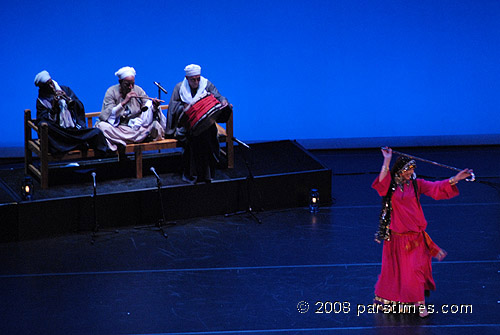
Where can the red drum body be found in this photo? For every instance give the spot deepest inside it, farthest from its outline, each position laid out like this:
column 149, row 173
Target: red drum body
column 203, row 114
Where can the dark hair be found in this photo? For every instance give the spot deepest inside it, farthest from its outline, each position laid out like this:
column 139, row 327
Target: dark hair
column 383, row 232
column 400, row 163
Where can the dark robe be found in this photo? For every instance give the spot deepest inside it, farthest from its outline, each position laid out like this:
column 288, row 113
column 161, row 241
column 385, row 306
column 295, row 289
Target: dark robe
column 62, row 140
column 201, row 153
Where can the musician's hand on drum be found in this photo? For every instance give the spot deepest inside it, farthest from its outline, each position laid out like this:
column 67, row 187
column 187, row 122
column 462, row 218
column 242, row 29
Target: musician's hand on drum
column 465, row 173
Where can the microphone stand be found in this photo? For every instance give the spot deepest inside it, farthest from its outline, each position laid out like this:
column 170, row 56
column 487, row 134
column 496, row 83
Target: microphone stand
column 96, row 224
column 94, row 205
column 161, row 220
column 249, row 183
column 160, row 89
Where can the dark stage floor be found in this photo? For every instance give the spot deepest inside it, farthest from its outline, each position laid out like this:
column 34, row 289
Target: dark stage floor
column 226, row 275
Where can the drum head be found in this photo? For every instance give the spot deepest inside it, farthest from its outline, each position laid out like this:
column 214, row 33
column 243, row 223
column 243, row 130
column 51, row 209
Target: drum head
column 205, row 112
column 217, row 113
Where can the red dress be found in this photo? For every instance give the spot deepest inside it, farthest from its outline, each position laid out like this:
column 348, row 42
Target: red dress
column 406, row 258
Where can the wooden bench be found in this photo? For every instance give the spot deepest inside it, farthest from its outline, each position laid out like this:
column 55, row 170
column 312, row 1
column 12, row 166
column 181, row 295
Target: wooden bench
column 40, row 147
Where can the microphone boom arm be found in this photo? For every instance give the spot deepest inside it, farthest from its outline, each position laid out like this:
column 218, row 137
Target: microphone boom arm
column 160, row 87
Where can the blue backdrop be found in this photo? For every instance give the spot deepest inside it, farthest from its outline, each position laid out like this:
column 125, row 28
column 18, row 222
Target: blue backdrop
column 308, row 69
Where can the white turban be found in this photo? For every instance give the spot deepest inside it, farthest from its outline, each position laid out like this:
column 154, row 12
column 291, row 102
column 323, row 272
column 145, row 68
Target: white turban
column 192, row 70
column 125, row 72
column 42, row 78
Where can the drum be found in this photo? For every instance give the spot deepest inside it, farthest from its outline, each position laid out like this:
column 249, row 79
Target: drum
column 204, row 113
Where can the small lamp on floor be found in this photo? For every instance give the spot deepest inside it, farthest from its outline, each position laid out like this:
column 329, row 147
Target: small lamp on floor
column 314, row 201
column 27, row 189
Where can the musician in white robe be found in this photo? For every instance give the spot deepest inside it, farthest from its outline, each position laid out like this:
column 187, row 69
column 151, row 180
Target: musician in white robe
column 62, row 111
column 126, row 118
column 201, row 152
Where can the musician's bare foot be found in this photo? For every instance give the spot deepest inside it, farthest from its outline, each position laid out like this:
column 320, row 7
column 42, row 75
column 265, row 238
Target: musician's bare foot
column 188, row 179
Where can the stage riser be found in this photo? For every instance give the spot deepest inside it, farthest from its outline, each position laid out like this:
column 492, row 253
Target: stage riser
column 40, row 219
column 9, row 223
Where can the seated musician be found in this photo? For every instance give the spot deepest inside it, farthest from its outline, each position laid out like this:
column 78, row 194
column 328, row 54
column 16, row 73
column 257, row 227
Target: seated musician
column 201, row 150
column 128, row 115
column 63, row 112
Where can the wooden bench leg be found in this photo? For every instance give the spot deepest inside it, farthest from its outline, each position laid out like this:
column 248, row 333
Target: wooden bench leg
column 229, row 142
column 44, row 155
column 230, row 154
column 138, row 162
column 28, row 154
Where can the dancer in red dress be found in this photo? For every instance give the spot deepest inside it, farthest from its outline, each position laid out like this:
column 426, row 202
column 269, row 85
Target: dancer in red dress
column 406, row 257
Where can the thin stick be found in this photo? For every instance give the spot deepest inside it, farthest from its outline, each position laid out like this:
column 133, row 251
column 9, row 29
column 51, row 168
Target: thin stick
column 473, row 177
column 148, row 98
